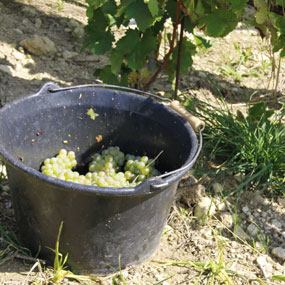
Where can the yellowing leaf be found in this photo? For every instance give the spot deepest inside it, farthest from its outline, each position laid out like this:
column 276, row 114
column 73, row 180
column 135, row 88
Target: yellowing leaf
column 261, row 15
column 92, row 114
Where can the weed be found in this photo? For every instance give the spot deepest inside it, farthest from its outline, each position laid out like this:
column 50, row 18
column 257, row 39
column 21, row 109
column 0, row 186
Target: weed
column 252, row 145
column 59, row 271
column 60, row 5
column 213, row 271
column 234, row 68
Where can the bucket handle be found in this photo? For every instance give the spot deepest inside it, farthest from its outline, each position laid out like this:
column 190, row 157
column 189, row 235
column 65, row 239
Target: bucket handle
column 157, row 183
column 195, row 122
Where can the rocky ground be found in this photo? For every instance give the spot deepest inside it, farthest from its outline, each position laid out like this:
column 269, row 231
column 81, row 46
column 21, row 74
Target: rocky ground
column 40, row 41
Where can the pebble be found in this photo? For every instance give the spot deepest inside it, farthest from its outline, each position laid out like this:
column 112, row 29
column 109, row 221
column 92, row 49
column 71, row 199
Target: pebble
column 281, row 201
column 38, row 23
column 68, row 54
column 26, row 22
column 241, row 233
column 262, row 264
column 6, row 69
column 279, row 252
column 252, row 229
column 283, row 234
column 18, row 31
column 277, row 224
column 218, row 188
column 29, row 10
column 227, row 219
column 245, row 209
column 39, row 45
column 204, row 208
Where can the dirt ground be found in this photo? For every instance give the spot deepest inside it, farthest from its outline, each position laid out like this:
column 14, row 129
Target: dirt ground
column 247, row 235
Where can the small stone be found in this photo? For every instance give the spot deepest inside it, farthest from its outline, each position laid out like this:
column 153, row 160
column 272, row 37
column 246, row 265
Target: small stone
column 252, row 229
column 277, row 224
column 68, row 54
column 262, row 264
column 68, row 30
column 241, row 233
column 283, row 234
column 218, row 188
column 227, row 219
column 29, row 10
column 18, row 31
column 202, row 74
column 245, row 209
column 279, row 252
column 72, row 24
column 6, row 69
column 26, row 22
column 257, row 200
column 78, row 32
column 38, row 23
column 221, row 206
column 281, row 201
column 205, row 207
column 39, row 45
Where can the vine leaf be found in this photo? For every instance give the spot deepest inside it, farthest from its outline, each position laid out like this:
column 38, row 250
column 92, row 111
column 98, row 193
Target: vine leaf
column 219, row 23
column 261, row 15
column 140, row 12
column 99, row 38
column 153, row 7
column 188, row 50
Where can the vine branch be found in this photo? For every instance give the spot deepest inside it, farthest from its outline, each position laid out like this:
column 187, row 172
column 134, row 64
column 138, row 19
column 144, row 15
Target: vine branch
column 171, row 48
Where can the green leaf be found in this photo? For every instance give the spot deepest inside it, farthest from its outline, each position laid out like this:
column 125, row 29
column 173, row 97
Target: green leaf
column 219, row 23
column 127, row 43
column 96, row 3
column 92, row 114
column 124, row 5
column 116, row 58
column 138, row 57
column 261, row 15
column 153, row 7
column 187, row 51
column 107, row 76
column 278, row 277
column 140, row 12
column 260, row 4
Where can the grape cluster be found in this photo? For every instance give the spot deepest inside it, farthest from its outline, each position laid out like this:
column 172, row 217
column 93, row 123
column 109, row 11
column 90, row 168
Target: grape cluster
column 61, row 167
column 110, row 168
column 139, row 168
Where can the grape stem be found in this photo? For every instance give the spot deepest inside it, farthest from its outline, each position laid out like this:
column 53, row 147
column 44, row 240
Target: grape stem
column 149, row 164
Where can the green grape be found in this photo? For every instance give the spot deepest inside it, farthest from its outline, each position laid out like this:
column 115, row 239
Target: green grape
column 110, row 168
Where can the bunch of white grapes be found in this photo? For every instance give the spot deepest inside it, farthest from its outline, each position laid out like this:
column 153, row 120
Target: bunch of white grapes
column 110, row 168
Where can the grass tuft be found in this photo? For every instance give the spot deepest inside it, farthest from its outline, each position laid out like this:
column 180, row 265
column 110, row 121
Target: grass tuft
column 251, row 144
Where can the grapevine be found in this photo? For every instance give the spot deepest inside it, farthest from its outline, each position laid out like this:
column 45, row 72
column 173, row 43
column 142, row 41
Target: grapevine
column 139, row 44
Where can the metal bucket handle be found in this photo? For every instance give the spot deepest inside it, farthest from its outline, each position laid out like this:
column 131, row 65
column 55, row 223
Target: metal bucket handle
column 198, row 125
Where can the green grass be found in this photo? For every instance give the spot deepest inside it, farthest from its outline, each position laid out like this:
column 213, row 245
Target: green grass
column 252, row 145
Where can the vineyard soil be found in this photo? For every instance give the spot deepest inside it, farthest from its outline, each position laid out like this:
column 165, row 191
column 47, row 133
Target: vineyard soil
column 239, row 66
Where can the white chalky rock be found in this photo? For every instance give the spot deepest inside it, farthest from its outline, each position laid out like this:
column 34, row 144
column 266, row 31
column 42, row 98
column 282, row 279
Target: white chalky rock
column 204, row 208
column 6, row 69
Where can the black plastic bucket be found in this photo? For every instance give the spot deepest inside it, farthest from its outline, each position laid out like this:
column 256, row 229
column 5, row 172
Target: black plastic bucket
column 101, row 225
